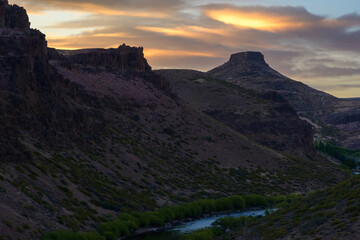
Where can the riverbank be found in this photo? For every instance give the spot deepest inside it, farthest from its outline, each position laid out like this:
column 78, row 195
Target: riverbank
column 127, row 224
column 192, row 224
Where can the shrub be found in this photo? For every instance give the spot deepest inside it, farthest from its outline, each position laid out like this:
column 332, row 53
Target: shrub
column 238, row 202
column 203, row 234
column 207, row 205
column 253, row 200
column 109, row 236
column 223, row 204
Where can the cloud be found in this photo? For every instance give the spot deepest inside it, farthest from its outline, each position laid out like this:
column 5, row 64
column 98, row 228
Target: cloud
column 194, row 34
column 272, row 19
column 150, row 8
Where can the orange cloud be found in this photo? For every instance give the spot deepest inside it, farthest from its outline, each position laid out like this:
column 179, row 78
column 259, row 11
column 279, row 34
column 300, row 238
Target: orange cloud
column 97, row 40
column 184, row 31
column 92, row 8
column 265, row 21
column 154, row 52
column 99, row 9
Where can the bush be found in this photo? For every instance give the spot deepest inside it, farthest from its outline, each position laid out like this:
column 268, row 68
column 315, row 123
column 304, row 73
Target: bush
column 143, row 218
column 223, row 204
column 203, row 234
column 238, row 202
column 207, row 205
column 253, row 200
column 109, row 236
column 167, row 214
column 118, row 228
column 127, row 223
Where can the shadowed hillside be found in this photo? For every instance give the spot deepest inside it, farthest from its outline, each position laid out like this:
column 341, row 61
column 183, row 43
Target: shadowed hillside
column 265, row 117
column 329, row 214
column 333, row 119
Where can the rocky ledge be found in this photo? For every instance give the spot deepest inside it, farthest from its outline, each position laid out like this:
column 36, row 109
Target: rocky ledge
column 247, row 58
column 122, row 58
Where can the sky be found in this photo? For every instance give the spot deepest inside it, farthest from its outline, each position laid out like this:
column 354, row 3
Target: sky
column 313, row 41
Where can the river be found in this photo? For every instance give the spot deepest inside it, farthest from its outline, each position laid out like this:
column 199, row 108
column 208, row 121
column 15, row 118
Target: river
column 174, row 232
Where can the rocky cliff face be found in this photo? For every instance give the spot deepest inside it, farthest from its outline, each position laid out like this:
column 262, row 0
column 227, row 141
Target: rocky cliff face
column 256, row 58
column 34, row 97
column 13, row 16
column 122, row 58
column 37, row 100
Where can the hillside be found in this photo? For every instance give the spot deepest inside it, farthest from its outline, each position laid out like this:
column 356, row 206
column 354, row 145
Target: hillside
column 250, row 70
column 91, row 133
column 333, row 119
column 265, row 117
column 329, row 214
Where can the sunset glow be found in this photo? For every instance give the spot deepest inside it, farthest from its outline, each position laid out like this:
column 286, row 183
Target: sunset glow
column 301, row 40
column 255, row 20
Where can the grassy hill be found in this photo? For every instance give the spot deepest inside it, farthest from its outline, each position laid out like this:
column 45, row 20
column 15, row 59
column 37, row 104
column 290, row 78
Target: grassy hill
column 329, row 214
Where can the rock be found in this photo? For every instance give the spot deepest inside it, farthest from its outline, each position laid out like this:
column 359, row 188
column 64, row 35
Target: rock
column 13, row 16
column 248, row 58
column 122, row 58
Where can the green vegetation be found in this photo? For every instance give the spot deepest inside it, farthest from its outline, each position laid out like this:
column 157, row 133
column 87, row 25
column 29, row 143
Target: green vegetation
column 331, row 212
column 349, row 158
column 219, row 227
column 126, row 223
column 202, row 234
column 60, row 235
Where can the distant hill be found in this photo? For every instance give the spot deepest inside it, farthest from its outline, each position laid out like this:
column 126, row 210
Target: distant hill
column 353, row 99
column 249, row 69
column 333, row 119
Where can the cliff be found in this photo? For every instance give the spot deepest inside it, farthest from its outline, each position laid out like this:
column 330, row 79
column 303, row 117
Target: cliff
column 121, row 58
column 13, row 16
column 34, row 97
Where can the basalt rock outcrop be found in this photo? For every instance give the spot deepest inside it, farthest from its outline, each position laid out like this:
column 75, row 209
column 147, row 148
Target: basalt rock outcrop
column 13, row 16
column 35, row 99
column 122, row 58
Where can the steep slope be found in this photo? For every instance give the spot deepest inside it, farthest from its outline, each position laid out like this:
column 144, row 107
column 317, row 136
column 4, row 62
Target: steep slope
column 35, row 100
column 249, row 70
column 329, row 214
column 91, row 133
column 264, row 117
